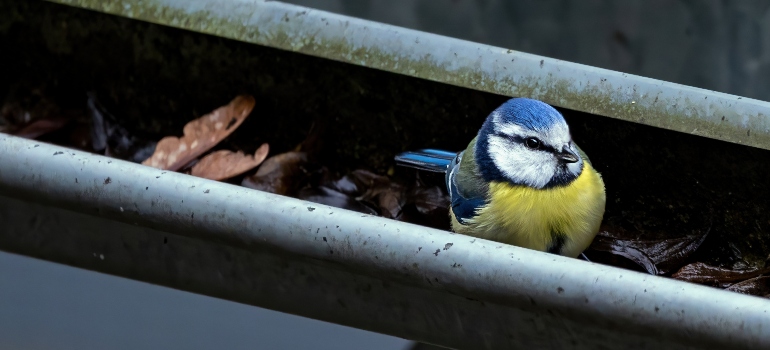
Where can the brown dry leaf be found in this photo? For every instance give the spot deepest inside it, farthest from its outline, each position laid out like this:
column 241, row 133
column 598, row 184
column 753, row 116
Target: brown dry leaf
column 279, row 174
column 704, row 273
column 346, row 185
column 369, row 183
column 334, row 198
column 359, row 183
column 200, row 135
column 755, row 286
column 391, row 201
column 24, row 104
column 427, row 200
column 377, row 190
column 657, row 257
column 42, row 126
column 224, row 164
column 427, row 206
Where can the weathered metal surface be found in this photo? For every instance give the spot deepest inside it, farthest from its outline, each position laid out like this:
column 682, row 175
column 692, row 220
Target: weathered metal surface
column 281, row 282
column 342, row 266
column 453, row 61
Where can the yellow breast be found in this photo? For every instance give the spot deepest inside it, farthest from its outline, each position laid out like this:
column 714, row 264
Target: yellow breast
column 529, row 218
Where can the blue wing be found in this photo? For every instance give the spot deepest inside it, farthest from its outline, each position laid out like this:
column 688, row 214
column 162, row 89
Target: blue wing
column 464, row 205
column 427, row 159
column 464, row 202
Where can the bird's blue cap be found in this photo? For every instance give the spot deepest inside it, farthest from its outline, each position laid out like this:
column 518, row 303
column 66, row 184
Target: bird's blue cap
column 529, row 113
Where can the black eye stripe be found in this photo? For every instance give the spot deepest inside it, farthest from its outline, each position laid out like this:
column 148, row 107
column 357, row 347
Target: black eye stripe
column 521, row 140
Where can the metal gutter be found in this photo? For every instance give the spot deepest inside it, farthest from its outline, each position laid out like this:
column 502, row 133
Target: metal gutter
column 341, row 266
column 462, row 63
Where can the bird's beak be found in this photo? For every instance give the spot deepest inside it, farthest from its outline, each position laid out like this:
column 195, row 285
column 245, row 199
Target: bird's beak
column 568, row 156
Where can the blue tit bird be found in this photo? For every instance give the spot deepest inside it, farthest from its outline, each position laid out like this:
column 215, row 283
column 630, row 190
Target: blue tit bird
column 521, row 181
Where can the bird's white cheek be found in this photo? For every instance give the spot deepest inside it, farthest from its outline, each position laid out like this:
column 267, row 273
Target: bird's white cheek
column 521, row 165
column 539, row 169
column 575, row 168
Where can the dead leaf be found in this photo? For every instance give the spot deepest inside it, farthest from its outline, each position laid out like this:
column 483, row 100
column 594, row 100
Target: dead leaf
column 756, row 286
column 331, row 197
column 108, row 137
column 348, row 186
column 279, row 174
column 24, row 104
column 314, row 141
column 428, row 200
column 426, row 206
column 375, row 190
column 703, row 273
column 657, row 257
column 391, row 202
column 33, row 111
column 224, row 164
column 359, row 183
column 40, row 127
column 200, row 135
column 99, row 124
column 368, row 183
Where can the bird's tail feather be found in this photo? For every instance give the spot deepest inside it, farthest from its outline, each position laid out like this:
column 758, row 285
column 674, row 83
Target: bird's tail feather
column 427, row 159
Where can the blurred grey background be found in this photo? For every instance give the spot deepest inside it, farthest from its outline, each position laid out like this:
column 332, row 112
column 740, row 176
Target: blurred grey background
column 51, row 306
column 719, row 45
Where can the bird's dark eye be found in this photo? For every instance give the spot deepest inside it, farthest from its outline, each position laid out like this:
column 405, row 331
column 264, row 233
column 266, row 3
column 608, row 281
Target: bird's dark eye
column 532, row 143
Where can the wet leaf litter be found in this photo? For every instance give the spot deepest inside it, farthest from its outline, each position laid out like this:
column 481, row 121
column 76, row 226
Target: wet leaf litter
column 224, row 164
column 299, row 173
column 200, row 135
